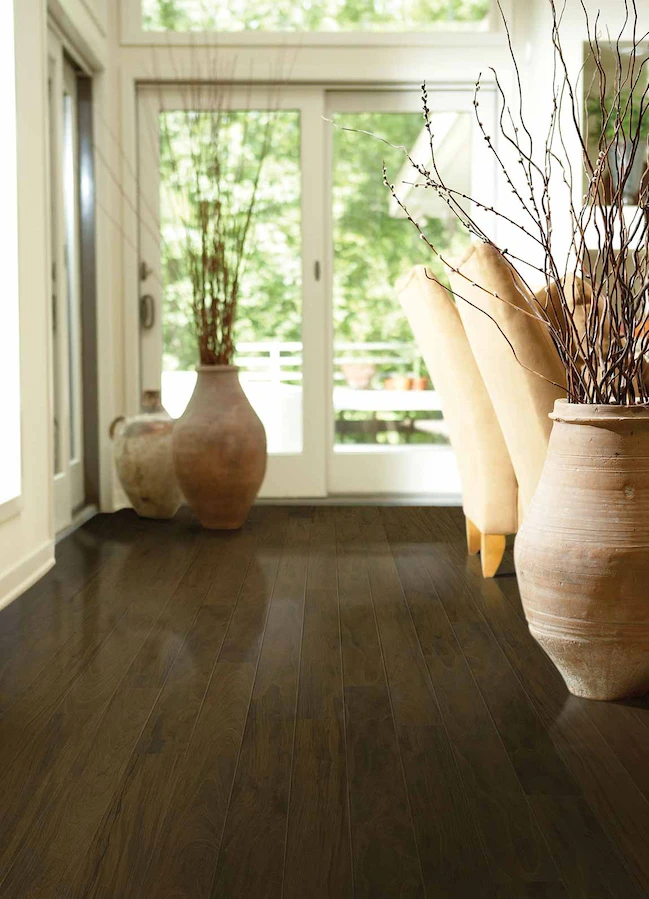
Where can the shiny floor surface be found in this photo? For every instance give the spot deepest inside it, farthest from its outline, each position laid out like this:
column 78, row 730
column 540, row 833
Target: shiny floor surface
column 328, row 703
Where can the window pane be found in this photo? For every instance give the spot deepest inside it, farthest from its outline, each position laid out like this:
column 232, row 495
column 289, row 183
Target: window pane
column 9, row 330
column 382, row 393
column 71, row 267
column 268, row 329
column 57, row 385
column 329, row 15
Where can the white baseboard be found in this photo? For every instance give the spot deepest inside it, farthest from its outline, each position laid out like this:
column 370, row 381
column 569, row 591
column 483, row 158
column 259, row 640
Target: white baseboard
column 22, row 576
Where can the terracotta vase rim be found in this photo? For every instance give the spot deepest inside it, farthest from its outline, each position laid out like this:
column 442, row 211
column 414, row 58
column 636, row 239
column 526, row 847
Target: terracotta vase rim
column 589, row 412
column 217, row 369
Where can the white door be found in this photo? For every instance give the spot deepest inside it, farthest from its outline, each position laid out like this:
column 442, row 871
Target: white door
column 66, row 294
column 387, row 435
column 327, row 357
column 280, row 343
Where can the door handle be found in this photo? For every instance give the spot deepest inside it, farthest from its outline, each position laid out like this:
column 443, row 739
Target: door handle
column 147, row 312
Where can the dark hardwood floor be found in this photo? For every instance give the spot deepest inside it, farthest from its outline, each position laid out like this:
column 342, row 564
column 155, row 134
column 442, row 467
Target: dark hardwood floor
column 329, row 703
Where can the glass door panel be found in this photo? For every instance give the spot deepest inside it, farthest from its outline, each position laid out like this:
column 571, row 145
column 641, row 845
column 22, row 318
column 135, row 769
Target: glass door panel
column 59, row 351
column 389, row 435
column 274, row 322
column 269, row 320
column 73, row 284
column 66, row 338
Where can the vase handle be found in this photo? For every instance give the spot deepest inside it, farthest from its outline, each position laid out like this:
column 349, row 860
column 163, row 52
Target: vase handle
column 111, row 429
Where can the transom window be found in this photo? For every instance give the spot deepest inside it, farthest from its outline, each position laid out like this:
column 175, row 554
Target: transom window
column 314, row 15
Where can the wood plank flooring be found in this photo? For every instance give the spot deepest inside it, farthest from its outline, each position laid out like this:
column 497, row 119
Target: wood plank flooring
column 330, row 702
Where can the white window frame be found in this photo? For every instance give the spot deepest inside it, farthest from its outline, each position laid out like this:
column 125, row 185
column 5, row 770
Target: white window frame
column 133, row 34
column 11, row 457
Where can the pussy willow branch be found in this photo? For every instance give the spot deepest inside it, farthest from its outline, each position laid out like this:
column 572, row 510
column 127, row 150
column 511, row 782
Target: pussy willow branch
column 603, row 346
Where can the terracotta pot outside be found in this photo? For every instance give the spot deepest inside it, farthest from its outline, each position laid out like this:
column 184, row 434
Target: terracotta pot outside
column 143, row 459
column 358, row 375
column 397, row 382
column 582, row 553
column 219, row 449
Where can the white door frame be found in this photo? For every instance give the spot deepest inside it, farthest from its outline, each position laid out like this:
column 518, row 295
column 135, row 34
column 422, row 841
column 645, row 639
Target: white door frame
column 288, row 475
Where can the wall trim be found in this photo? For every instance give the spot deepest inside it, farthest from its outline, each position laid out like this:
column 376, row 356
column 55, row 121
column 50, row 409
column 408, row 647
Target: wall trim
column 11, row 507
column 79, row 40
column 22, row 576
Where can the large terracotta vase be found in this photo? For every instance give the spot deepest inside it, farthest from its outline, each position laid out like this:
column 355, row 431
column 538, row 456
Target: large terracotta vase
column 143, row 459
column 582, row 553
column 219, row 448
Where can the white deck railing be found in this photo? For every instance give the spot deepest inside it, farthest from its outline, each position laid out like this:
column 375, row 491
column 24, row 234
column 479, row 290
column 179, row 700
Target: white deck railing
column 281, row 363
column 271, row 375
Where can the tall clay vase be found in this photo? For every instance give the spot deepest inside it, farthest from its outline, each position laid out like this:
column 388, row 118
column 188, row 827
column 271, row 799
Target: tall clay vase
column 219, row 448
column 582, row 553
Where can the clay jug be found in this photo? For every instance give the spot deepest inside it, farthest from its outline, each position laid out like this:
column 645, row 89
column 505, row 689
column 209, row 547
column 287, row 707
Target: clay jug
column 582, row 553
column 219, row 447
column 144, row 461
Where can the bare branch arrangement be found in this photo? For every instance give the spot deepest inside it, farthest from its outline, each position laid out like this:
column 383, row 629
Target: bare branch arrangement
column 213, row 204
column 604, row 343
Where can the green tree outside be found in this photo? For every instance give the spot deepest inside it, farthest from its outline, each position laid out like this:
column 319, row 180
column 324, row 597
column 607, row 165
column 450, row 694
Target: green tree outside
column 326, row 15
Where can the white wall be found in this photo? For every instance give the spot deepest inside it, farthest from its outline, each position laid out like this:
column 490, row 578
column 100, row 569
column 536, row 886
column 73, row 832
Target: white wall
column 27, row 538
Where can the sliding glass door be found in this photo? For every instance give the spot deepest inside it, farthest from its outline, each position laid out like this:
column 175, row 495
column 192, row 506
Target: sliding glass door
column 326, row 355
